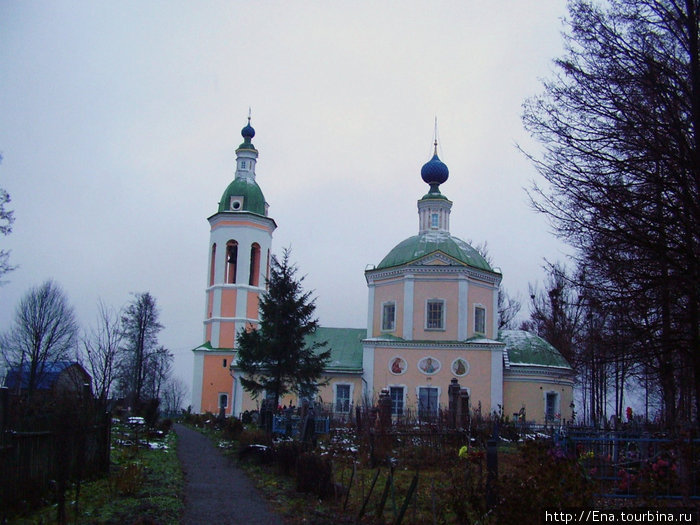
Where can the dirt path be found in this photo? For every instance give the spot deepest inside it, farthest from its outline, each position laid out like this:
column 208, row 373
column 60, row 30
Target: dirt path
column 216, row 491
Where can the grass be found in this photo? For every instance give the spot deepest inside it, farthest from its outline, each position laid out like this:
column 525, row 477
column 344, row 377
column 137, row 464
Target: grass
column 144, row 485
column 450, row 488
column 300, row 508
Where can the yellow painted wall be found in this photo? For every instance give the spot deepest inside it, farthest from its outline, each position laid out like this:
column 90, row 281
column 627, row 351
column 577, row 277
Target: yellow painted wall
column 478, row 380
column 384, row 293
column 531, row 395
column 325, row 393
column 435, row 289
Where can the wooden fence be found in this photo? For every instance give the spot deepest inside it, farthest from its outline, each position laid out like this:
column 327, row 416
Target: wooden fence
column 34, row 463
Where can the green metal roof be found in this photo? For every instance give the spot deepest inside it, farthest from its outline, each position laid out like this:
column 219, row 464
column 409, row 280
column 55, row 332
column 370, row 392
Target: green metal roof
column 246, row 144
column 253, row 199
column 525, row 348
column 434, row 195
column 345, row 345
column 419, row 246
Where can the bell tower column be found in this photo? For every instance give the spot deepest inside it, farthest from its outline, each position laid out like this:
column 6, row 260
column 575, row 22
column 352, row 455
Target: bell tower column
column 239, row 250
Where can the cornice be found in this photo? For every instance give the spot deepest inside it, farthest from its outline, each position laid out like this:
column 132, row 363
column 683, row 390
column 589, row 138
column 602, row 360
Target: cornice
column 235, row 286
column 420, row 269
column 482, row 344
column 230, row 320
column 514, row 371
column 255, row 218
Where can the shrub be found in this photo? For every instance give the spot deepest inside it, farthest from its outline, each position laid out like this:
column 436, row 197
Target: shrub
column 287, row 453
column 231, row 428
column 129, row 479
column 254, row 436
column 314, row 475
column 149, row 410
column 165, row 425
column 544, row 477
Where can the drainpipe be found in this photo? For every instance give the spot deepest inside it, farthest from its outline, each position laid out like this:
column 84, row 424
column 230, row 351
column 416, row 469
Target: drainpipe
column 233, row 392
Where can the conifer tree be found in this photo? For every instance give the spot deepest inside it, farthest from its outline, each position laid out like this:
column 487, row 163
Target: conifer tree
column 274, row 357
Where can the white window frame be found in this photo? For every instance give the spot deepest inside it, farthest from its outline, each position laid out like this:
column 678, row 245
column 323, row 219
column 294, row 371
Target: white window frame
column 404, row 389
column 392, row 327
column 483, row 308
column 557, row 404
column 437, row 403
column 236, row 203
column 442, row 314
column 218, row 400
column 434, row 221
column 335, row 397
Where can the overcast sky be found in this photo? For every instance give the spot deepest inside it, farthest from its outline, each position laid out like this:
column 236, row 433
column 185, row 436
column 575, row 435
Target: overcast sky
column 119, row 121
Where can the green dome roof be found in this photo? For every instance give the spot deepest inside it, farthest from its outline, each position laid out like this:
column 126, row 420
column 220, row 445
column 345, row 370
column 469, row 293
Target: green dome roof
column 419, row 246
column 249, row 191
column 525, row 348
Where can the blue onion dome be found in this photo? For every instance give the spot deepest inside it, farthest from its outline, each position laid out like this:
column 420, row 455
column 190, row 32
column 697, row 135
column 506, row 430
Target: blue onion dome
column 248, row 132
column 434, row 172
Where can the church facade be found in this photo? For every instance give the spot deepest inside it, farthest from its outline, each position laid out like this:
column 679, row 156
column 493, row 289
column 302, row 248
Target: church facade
column 432, row 317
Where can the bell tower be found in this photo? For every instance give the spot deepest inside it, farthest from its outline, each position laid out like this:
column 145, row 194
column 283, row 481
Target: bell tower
column 238, row 266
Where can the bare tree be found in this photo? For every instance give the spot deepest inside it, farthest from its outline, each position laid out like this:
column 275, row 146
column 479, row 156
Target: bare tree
column 556, row 313
column 159, row 367
column 6, row 220
column 101, row 349
column 44, row 331
column 619, row 125
column 140, row 329
column 174, row 395
column 508, row 309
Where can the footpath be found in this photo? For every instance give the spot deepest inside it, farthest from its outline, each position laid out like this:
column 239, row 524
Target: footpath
column 216, row 491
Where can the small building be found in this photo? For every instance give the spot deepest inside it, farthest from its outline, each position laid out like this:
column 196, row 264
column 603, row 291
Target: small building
column 432, row 317
column 51, row 378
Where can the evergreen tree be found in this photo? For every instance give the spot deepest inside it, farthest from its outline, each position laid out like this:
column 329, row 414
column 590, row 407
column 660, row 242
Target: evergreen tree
column 274, row 357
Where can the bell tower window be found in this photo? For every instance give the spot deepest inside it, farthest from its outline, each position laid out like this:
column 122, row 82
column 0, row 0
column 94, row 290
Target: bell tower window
column 212, row 265
column 254, row 279
column 231, row 261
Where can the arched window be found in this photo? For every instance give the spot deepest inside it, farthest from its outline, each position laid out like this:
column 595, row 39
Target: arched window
column 212, row 263
column 254, row 265
column 231, row 261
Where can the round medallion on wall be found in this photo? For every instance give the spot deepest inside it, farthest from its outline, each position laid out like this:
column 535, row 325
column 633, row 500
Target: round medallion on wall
column 429, row 365
column 460, row 367
column 397, row 365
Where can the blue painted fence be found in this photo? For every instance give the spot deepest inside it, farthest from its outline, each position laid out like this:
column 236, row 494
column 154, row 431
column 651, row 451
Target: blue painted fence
column 290, row 425
column 633, row 467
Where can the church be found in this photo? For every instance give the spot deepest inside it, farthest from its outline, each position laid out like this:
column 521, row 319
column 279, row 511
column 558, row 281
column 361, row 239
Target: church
column 432, row 317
